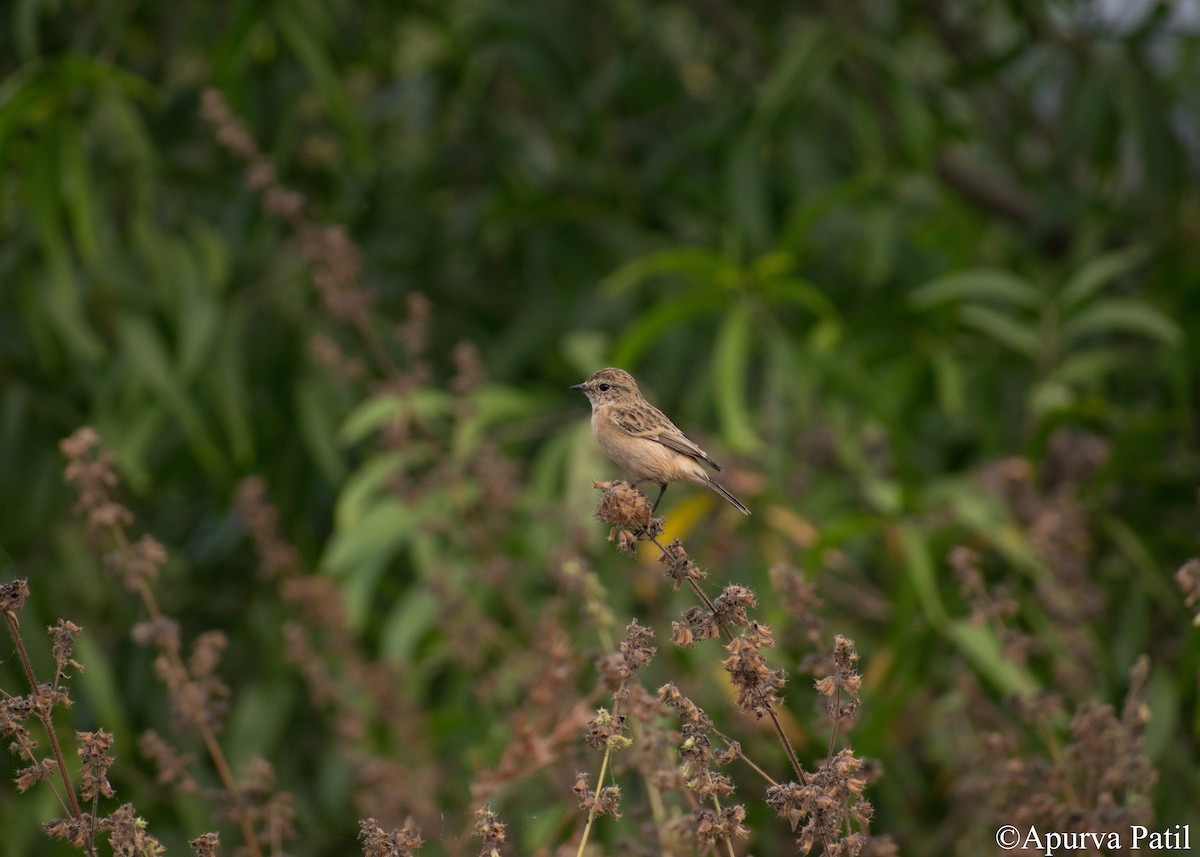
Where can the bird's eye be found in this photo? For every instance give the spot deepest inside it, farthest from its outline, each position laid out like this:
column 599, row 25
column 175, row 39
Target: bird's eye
column 603, row 388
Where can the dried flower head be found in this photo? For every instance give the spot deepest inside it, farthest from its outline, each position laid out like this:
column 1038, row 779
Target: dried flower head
column 623, row 506
column 490, row 830
column 712, row 828
column 30, row 776
column 730, row 606
column 94, row 763
column 680, row 567
column 12, row 596
column 64, row 634
column 90, row 470
column 1188, row 579
column 697, row 624
column 172, row 765
column 127, row 833
column 399, row 842
column 756, row 683
column 636, row 650
column 606, row 731
column 276, row 557
column 842, row 687
column 205, row 845
column 607, row 801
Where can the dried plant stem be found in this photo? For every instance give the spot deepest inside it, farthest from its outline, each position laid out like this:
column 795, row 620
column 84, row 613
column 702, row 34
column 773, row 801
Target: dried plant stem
column 787, row 745
column 224, row 773
column 728, row 842
column 609, row 645
column 45, row 715
column 657, row 808
column 830, row 798
column 767, row 777
column 771, row 713
column 837, row 699
column 587, row 829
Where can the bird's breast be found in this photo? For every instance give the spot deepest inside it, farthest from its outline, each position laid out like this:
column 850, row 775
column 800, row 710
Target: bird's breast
column 641, row 456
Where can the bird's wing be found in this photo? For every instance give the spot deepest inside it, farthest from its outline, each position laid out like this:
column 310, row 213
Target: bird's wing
column 652, row 424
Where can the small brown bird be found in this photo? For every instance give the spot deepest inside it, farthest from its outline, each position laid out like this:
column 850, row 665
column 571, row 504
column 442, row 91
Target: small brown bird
column 639, row 437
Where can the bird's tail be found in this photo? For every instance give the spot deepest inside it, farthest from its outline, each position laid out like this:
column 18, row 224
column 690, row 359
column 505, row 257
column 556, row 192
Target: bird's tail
column 724, row 492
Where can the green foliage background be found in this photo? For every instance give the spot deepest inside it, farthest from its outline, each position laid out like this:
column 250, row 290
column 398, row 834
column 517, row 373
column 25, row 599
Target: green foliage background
column 859, row 249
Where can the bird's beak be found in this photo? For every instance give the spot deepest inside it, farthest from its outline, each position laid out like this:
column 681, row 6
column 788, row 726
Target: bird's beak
column 577, row 387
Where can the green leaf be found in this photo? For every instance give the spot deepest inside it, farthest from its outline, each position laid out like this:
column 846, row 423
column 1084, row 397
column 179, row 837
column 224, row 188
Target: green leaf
column 804, row 64
column 364, row 487
column 146, row 357
column 61, row 296
column 199, row 326
column 316, row 61
column 800, row 292
column 772, row 265
column 224, row 379
column 369, row 416
column 983, row 648
column 1098, row 273
column 1138, row 553
column 132, row 436
column 1162, row 697
column 494, row 404
column 77, row 196
column 1088, row 366
column 1021, row 338
column 666, row 314
column 426, row 403
column 315, row 416
column 977, row 284
column 731, row 357
column 1121, row 315
column 948, row 380
column 920, row 569
column 986, row 517
column 373, row 537
column 1048, row 397
column 698, row 266
column 408, row 621
column 60, row 290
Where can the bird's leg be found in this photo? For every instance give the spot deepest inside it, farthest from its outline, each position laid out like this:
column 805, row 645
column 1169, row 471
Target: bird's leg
column 662, row 489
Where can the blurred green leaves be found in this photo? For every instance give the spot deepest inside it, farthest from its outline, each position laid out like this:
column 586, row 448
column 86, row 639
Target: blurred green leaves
column 863, row 251
column 1075, row 336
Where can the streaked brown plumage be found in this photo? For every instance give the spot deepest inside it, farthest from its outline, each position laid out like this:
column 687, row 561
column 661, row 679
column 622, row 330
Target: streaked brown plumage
column 639, row 437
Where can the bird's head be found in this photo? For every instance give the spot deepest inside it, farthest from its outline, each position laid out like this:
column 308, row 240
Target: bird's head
column 608, row 385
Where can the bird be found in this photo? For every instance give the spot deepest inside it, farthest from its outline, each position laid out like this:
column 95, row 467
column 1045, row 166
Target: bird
column 639, row 437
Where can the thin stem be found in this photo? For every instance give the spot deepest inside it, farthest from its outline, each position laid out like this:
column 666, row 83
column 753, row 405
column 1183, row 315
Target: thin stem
column 599, row 785
column 45, row 715
column 728, row 840
column 837, row 719
column 787, row 745
column 224, row 773
column 770, row 780
column 770, row 709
